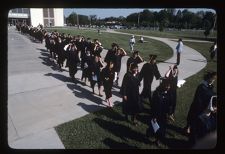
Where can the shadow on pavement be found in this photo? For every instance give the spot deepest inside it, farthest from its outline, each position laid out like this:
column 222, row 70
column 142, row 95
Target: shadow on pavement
column 90, row 108
column 43, row 50
column 84, row 93
column 78, row 90
column 116, row 145
column 51, row 64
column 60, row 77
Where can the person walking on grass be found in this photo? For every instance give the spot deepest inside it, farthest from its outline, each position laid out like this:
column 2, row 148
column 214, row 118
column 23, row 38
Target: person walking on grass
column 179, row 49
column 130, row 94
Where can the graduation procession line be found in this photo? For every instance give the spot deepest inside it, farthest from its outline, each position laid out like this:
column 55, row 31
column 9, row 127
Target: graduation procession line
column 41, row 98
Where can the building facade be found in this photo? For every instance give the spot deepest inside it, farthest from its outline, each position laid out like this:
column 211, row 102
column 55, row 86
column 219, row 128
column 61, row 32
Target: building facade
column 34, row 16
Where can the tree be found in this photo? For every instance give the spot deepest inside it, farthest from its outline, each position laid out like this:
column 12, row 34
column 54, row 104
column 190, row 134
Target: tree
column 132, row 18
column 72, row 18
column 163, row 19
column 171, row 17
column 209, row 22
column 178, row 20
column 187, row 18
column 146, row 17
column 93, row 19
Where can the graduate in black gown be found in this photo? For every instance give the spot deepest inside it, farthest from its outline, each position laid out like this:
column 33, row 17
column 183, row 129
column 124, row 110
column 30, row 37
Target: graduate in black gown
column 111, row 52
column 73, row 59
column 161, row 101
column 202, row 97
column 136, row 58
column 172, row 76
column 98, row 48
column 95, row 69
column 86, row 62
column 107, row 76
column 147, row 73
column 130, row 93
column 60, row 52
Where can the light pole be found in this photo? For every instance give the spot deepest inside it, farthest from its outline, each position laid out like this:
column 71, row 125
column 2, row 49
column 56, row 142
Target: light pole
column 138, row 18
column 74, row 17
column 78, row 26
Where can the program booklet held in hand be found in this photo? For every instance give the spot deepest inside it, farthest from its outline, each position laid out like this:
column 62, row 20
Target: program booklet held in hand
column 155, row 126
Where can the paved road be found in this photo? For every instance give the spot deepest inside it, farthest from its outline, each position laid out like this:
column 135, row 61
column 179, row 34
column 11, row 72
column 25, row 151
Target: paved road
column 41, row 97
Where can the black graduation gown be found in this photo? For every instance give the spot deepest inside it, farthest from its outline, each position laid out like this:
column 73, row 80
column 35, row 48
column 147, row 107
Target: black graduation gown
column 96, row 68
column 130, row 88
column 107, row 78
column 132, row 60
column 60, row 51
column 201, row 101
column 161, row 102
column 117, row 62
column 110, row 56
column 72, row 62
column 47, row 42
column 147, row 73
column 173, row 90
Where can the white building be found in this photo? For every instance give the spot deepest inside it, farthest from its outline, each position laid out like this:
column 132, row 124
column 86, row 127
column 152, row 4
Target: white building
column 35, row 16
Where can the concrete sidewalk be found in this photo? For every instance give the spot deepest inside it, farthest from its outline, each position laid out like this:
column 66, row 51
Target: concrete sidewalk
column 40, row 97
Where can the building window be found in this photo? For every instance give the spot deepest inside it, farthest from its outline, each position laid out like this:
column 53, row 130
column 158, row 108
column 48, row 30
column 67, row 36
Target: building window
column 14, row 10
column 45, row 12
column 51, row 13
column 20, row 10
column 26, row 10
column 48, row 15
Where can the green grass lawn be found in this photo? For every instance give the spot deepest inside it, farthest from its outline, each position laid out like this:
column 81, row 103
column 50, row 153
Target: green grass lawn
column 106, row 129
column 163, row 51
column 173, row 34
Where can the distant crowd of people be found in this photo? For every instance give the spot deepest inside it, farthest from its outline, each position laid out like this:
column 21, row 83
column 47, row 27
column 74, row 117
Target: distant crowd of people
column 105, row 72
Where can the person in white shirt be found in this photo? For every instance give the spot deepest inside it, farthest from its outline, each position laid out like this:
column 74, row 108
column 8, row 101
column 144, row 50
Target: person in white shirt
column 179, row 49
column 132, row 42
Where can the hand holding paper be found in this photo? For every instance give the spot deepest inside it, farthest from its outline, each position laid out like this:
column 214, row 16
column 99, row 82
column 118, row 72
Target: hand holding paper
column 180, row 83
column 155, row 125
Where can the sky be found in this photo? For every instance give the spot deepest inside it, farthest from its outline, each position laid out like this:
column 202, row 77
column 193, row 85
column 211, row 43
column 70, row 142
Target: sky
column 103, row 13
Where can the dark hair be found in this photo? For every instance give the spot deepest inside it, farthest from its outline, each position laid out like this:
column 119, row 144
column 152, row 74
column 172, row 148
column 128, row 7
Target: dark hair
column 209, row 75
column 133, row 65
column 135, row 52
column 175, row 67
column 108, row 64
column 180, row 39
column 114, row 44
column 152, row 57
